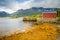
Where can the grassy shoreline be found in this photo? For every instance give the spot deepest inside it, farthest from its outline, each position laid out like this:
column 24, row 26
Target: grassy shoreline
column 44, row 31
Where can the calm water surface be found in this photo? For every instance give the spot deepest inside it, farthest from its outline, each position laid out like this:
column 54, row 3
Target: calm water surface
column 10, row 24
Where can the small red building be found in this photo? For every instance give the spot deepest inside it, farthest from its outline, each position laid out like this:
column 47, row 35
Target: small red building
column 49, row 14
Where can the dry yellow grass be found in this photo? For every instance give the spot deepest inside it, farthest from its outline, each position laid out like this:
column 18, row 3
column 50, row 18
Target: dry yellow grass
column 45, row 31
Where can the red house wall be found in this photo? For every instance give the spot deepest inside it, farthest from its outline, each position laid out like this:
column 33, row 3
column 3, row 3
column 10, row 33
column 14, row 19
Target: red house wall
column 49, row 15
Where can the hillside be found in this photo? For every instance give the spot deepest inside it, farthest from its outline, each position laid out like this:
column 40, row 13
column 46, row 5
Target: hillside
column 3, row 14
column 32, row 11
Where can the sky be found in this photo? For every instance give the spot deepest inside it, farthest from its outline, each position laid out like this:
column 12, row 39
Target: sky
column 11, row 6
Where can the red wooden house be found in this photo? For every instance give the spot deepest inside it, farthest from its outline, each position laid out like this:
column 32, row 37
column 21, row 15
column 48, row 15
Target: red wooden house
column 49, row 14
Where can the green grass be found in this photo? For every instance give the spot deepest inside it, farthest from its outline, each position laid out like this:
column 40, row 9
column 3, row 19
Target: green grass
column 36, row 16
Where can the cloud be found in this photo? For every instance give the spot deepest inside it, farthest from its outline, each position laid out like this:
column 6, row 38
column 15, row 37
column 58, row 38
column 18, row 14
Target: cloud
column 21, row 1
column 6, row 10
column 13, row 5
column 47, row 3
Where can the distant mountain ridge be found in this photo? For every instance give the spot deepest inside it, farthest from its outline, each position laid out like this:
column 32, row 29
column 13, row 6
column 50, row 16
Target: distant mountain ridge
column 33, row 11
column 28, row 12
column 3, row 14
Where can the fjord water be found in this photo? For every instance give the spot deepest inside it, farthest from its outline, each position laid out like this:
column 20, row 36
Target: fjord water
column 10, row 24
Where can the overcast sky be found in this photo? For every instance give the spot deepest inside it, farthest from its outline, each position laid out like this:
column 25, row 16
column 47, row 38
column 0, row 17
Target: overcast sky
column 13, row 5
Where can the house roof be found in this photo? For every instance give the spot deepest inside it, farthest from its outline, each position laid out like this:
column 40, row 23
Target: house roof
column 49, row 12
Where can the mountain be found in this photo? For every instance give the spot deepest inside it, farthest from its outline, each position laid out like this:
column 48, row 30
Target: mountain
column 32, row 11
column 3, row 14
column 27, row 12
